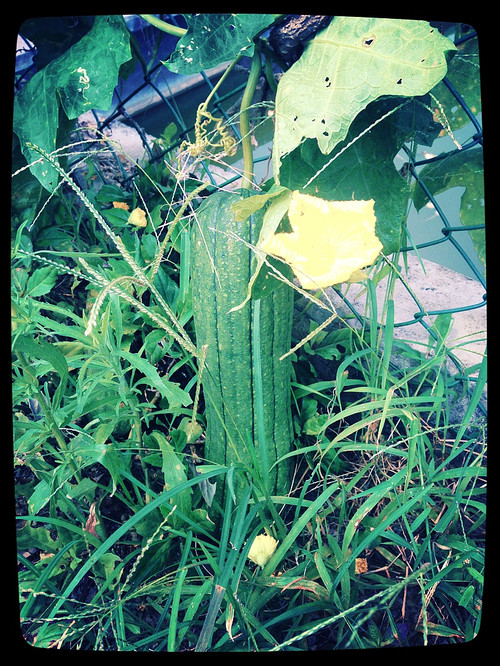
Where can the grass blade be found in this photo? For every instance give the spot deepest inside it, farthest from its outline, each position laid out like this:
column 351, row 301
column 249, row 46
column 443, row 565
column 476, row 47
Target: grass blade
column 181, row 575
column 111, row 540
column 381, row 597
column 298, row 525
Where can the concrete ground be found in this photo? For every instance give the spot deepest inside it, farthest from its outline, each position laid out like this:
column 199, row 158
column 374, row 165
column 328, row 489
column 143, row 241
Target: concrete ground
column 434, row 288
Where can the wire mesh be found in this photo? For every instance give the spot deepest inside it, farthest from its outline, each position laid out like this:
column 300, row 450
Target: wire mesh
column 152, row 88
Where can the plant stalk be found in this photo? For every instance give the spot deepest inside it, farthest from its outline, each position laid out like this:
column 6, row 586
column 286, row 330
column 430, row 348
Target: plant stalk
column 163, row 25
column 246, row 141
column 219, row 82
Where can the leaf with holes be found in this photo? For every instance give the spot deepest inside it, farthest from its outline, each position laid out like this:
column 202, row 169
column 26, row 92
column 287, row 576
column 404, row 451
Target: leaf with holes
column 211, row 39
column 345, row 67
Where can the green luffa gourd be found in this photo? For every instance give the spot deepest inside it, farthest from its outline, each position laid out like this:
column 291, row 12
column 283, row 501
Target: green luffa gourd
column 246, row 388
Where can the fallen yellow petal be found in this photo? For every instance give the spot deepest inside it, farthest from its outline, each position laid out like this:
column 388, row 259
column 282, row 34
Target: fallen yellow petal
column 262, row 548
column 330, row 240
column 361, row 565
column 138, row 218
column 120, row 204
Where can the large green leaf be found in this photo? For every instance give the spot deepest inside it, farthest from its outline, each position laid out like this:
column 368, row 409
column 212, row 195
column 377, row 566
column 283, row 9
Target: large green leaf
column 351, row 63
column 461, row 169
column 365, row 170
column 99, row 448
column 215, row 38
column 40, row 349
column 83, row 78
column 53, row 35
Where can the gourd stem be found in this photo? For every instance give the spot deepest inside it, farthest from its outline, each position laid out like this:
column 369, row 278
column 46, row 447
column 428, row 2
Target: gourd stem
column 246, row 141
column 174, row 30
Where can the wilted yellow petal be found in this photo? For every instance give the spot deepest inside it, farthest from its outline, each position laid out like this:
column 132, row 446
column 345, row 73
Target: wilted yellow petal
column 262, row 548
column 330, row 240
column 138, row 218
column 120, row 204
column 361, row 565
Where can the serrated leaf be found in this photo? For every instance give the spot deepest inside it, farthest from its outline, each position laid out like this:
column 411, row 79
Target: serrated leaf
column 43, row 350
column 41, row 281
column 99, row 450
column 212, row 39
column 345, row 67
column 174, row 474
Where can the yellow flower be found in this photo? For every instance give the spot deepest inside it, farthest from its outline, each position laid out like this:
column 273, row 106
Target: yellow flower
column 330, row 240
column 262, row 548
column 138, row 218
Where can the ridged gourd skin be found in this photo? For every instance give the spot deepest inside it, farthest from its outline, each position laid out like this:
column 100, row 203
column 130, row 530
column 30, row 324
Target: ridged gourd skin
column 221, row 265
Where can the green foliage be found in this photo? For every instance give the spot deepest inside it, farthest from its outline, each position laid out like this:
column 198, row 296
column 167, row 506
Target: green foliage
column 463, row 74
column 344, row 68
column 121, row 546
column 362, row 167
column 212, row 39
column 459, row 170
column 82, row 78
